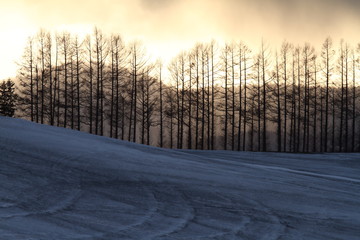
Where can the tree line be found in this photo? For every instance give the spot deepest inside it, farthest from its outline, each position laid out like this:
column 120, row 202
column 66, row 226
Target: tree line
column 291, row 99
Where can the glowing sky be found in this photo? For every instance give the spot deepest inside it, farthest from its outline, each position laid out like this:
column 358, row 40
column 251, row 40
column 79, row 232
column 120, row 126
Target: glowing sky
column 168, row 26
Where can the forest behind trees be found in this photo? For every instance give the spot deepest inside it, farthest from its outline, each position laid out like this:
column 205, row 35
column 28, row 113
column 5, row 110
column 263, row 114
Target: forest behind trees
column 289, row 99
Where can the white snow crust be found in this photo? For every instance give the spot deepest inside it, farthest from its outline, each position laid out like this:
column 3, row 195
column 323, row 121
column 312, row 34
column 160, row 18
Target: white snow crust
column 58, row 184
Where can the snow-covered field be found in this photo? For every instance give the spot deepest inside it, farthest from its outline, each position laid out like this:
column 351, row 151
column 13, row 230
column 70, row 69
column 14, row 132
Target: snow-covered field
column 61, row 184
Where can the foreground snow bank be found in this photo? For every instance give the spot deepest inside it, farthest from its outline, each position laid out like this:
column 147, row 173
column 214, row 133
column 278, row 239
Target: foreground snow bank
column 61, row 184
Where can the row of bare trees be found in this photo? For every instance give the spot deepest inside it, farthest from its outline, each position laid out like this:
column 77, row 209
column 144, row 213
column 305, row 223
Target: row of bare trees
column 293, row 99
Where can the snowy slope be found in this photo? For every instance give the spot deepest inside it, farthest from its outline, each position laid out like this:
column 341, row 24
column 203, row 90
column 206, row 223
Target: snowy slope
column 61, row 184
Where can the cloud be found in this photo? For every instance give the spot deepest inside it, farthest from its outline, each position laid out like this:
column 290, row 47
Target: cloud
column 154, row 5
column 304, row 20
column 169, row 26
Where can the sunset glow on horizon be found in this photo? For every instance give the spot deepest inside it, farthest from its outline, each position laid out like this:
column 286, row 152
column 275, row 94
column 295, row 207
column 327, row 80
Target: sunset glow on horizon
column 166, row 27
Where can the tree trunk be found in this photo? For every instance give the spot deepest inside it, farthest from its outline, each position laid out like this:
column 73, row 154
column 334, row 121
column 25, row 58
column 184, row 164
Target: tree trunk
column 161, row 108
column 212, row 99
column 226, row 100
column 240, row 99
column 245, row 104
column 278, row 107
column 353, row 106
column 264, row 139
column 232, row 100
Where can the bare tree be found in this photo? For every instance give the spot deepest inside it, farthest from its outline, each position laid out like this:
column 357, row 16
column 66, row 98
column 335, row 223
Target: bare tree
column 197, row 78
column 159, row 64
column 233, row 94
column 137, row 62
column 326, row 55
column 90, row 73
column 353, row 127
column 284, row 52
column 190, row 103
column 278, row 105
column 212, row 56
column 226, row 64
column 26, row 79
column 246, row 51
column 264, row 58
column 65, row 50
column 315, row 110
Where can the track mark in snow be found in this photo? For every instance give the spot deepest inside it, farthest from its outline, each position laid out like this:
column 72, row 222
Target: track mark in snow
column 175, row 208
column 140, row 197
column 57, row 207
column 6, row 204
column 170, row 215
column 307, row 173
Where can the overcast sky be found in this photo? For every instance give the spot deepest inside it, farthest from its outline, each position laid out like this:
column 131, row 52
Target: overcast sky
column 169, row 26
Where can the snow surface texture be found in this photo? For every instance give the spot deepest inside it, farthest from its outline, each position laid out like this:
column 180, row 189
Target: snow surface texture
column 61, row 184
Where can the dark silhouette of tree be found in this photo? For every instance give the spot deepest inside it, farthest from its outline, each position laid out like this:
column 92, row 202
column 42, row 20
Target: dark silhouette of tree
column 293, row 106
column 65, row 50
column 101, row 53
column 212, row 57
column 233, row 51
column 225, row 56
column 315, row 108
column 258, row 77
column 278, row 95
column 137, row 62
column 333, row 117
column 182, row 63
column 161, row 110
column 326, row 54
column 197, row 79
column 240, row 96
column 245, row 59
column 170, row 113
column 174, row 69
column 190, row 103
column 48, row 59
column 26, row 79
column 41, row 41
column 118, row 57
column 299, row 100
column 56, row 85
column 8, row 98
column 347, row 110
column 203, row 87
column 285, row 48
column 264, row 58
column 307, row 58
column 353, row 125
